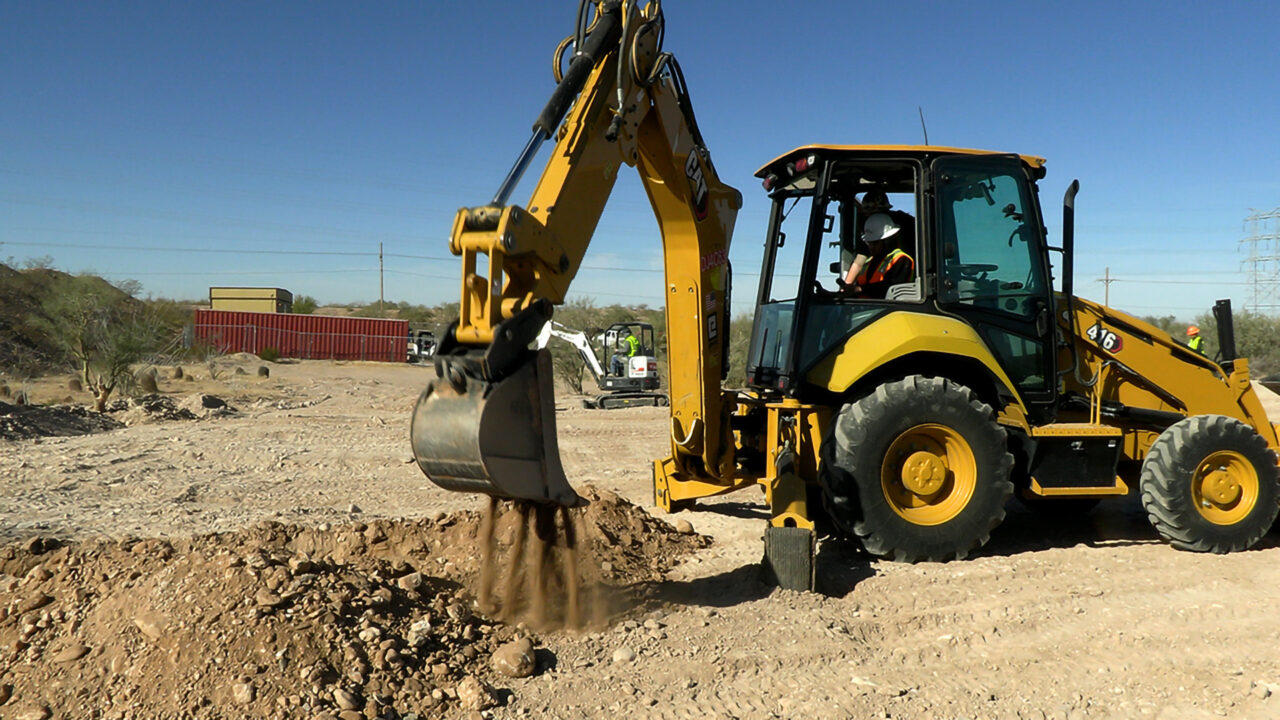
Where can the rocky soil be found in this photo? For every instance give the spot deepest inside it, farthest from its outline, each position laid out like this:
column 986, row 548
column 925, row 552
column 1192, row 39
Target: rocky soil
column 282, row 557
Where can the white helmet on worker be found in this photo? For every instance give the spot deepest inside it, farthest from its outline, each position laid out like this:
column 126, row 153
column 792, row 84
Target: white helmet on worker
column 879, row 227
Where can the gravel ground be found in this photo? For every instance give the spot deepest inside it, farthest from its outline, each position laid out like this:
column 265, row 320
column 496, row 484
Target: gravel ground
column 1090, row 618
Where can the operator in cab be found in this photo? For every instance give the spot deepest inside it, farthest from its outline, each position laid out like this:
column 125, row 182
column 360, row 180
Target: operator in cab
column 873, row 202
column 886, row 265
column 627, row 347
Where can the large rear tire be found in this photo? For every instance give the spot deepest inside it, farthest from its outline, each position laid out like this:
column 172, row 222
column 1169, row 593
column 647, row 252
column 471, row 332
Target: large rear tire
column 918, row 470
column 1210, row 484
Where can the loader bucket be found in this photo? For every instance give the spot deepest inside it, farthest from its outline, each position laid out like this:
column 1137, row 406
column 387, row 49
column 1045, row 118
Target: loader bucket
column 496, row 438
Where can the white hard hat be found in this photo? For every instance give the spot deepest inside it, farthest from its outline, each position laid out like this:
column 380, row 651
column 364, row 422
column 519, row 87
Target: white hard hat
column 879, row 227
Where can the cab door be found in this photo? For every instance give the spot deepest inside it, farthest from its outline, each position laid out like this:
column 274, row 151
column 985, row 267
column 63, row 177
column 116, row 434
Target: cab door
column 993, row 268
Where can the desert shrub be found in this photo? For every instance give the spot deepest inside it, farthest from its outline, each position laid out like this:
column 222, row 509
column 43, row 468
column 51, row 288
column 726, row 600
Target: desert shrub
column 102, row 332
column 304, row 305
column 269, row 354
column 1257, row 338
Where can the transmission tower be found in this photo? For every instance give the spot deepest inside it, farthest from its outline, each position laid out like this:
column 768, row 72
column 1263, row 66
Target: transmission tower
column 1262, row 260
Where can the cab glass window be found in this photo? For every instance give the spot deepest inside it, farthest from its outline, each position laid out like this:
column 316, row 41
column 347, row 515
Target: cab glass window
column 987, row 247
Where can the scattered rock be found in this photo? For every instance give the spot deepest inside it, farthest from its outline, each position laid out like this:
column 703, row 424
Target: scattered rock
column 240, row 371
column 71, row 653
column 515, row 659
column 177, row 372
column 475, row 694
column 684, row 527
column 624, row 655
column 74, row 385
column 419, row 632
column 151, row 625
column 34, row 601
column 147, row 382
column 243, row 692
column 263, row 371
column 347, row 700
column 411, row 582
column 36, row 712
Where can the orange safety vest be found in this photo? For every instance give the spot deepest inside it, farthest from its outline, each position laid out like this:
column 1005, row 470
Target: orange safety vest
column 869, row 275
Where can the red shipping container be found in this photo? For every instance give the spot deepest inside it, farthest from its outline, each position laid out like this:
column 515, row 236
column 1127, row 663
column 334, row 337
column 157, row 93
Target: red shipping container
column 316, row 337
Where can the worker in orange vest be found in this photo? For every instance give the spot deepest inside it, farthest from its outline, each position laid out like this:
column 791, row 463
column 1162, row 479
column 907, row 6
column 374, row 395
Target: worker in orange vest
column 1196, row 342
column 886, row 266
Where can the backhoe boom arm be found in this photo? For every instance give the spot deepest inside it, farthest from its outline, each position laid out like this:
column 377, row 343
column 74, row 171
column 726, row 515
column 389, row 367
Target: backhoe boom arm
column 624, row 102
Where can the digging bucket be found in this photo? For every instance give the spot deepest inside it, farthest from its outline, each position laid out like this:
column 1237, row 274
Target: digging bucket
column 493, row 437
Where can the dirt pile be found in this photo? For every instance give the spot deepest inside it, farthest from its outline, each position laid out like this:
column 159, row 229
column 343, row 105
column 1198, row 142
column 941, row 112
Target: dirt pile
column 628, row 544
column 357, row 621
column 153, row 408
column 23, row 422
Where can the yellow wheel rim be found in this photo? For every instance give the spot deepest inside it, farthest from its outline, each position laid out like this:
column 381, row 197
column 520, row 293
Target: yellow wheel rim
column 1224, row 488
column 929, row 474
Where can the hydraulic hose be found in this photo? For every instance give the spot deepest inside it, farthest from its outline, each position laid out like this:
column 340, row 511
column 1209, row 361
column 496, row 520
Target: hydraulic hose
column 604, row 33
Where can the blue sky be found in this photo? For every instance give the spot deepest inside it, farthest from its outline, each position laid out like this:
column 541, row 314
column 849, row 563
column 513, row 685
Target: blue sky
column 298, row 136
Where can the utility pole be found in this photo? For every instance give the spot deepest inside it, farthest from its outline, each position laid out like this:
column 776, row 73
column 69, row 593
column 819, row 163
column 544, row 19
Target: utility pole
column 1106, row 289
column 381, row 312
column 1263, row 261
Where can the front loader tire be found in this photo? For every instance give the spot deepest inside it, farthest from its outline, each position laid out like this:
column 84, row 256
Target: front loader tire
column 1210, row 484
column 918, row 470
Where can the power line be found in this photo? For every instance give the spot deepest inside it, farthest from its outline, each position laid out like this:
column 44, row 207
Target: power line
column 235, row 272
column 1167, row 282
column 226, row 251
column 154, row 248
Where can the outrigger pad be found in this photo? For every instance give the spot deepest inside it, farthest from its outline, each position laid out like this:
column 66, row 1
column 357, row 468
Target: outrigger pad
column 789, row 557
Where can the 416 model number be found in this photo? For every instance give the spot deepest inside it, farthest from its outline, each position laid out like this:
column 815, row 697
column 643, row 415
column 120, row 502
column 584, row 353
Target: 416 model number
column 1105, row 339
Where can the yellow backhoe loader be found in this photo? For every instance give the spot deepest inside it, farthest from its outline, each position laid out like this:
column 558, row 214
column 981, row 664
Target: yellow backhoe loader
column 910, row 412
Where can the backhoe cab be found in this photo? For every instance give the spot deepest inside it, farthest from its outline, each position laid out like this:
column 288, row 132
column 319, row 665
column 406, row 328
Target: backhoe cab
column 933, row 402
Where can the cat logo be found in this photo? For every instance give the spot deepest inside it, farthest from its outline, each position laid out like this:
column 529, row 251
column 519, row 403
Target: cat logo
column 697, row 183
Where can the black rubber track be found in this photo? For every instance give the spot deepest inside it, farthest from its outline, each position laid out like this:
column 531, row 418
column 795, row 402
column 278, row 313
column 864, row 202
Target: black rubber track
column 855, row 448
column 1167, row 475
